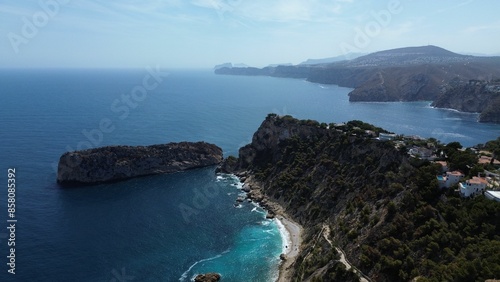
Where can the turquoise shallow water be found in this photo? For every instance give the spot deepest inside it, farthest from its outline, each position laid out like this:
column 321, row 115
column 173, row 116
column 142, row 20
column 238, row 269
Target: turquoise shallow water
column 258, row 244
column 135, row 228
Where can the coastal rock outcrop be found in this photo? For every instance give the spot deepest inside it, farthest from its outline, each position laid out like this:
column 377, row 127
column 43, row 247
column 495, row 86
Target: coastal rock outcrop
column 114, row 163
column 492, row 112
column 397, row 84
column 369, row 210
column 315, row 172
column 209, row 277
column 474, row 96
column 273, row 132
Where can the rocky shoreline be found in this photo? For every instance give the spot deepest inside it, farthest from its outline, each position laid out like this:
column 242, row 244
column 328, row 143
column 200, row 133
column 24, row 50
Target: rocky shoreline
column 275, row 211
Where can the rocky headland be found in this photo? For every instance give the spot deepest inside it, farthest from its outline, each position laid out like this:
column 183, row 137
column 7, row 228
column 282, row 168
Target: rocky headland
column 404, row 74
column 115, row 163
column 286, row 183
column 473, row 96
column 369, row 211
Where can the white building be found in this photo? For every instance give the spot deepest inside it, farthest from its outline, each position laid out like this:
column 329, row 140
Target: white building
column 386, row 136
column 451, row 178
column 473, row 186
column 421, row 152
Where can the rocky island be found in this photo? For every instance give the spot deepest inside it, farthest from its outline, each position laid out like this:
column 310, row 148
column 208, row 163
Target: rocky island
column 370, row 211
column 114, row 163
column 208, row 277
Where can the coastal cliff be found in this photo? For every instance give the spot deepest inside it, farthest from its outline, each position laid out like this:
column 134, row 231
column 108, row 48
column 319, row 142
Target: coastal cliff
column 405, row 74
column 368, row 209
column 114, row 163
column 474, row 96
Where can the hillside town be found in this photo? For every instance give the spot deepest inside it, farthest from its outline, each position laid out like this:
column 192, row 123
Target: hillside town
column 468, row 171
column 479, row 174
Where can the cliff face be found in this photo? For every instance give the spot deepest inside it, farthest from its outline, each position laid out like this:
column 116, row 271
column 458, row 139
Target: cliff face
column 271, row 134
column 321, row 176
column 492, row 112
column 405, row 74
column 372, row 200
column 475, row 96
column 310, row 167
column 396, row 84
column 115, row 163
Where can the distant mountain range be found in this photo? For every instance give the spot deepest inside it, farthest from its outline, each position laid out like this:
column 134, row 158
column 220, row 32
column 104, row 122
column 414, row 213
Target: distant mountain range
column 403, row 74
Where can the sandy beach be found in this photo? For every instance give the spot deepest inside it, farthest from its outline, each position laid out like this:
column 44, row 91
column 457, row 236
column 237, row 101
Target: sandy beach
column 295, row 239
column 293, row 236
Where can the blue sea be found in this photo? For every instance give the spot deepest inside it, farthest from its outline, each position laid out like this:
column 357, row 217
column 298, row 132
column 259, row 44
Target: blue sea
column 164, row 227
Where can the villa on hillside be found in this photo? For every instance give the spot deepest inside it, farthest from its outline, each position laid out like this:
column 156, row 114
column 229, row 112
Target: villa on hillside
column 487, row 160
column 451, row 178
column 386, row 136
column 473, row 187
column 421, row 152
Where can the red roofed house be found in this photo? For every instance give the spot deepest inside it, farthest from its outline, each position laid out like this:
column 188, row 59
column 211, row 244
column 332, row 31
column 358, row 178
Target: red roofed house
column 451, row 178
column 473, row 186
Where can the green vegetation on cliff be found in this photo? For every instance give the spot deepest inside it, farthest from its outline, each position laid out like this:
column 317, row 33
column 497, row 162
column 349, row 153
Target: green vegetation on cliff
column 373, row 201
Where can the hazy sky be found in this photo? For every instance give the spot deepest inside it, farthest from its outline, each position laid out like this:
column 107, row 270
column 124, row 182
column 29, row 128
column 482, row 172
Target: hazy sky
column 202, row 33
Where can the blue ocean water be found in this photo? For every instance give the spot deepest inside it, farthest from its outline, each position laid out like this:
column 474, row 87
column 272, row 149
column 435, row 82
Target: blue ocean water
column 165, row 227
